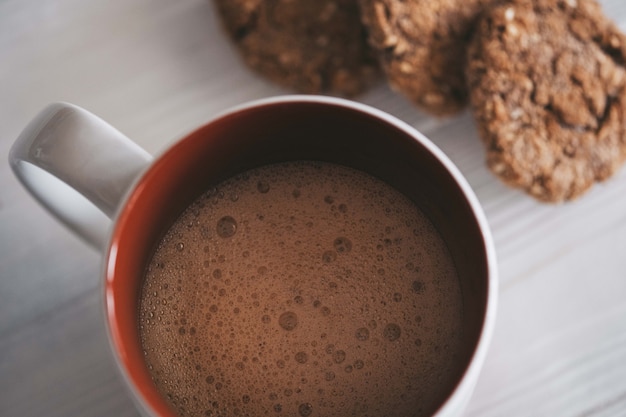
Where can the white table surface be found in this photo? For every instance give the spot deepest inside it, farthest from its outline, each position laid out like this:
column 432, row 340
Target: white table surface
column 155, row 69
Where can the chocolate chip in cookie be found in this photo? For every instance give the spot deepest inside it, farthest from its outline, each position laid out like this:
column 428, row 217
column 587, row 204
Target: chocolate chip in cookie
column 422, row 46
column 548, row 90
column 309, row 46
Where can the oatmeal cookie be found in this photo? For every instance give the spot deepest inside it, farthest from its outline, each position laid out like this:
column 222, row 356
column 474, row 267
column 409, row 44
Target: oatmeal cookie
column 548, row 91
column 310, row 46
column 422, row 47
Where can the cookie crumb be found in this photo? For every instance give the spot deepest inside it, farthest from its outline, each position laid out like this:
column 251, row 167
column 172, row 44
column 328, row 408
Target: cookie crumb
column 509, row 14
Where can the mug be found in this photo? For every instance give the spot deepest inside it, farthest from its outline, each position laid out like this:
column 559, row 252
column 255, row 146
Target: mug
column 120, row 200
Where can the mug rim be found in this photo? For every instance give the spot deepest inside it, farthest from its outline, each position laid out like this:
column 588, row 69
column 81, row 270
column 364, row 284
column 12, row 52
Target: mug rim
column 455, row 399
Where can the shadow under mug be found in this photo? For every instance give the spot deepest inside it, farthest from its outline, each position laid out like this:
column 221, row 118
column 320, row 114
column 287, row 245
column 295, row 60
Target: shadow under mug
column 67, row 149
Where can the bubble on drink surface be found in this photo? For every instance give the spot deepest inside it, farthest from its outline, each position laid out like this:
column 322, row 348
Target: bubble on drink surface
column 418, row 287
column 362, row 334
column 288, row 320
column 210, row 379
column 301, row 357
column 392, row 332
column 339, row 356
column 226, row 227
column 305, row 409
column 329, row 256
column 263, row 187
column 329, row 199
column 342, row 245
column 180, row 246
column 397, row 297
column 329, row 376
column 359, row 364
column 265, row 318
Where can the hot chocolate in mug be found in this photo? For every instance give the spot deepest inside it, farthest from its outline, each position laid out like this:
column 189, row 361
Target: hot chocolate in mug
column 320, row 358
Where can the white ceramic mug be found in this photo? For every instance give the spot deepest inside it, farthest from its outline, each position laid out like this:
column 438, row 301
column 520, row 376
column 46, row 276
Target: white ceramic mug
column 120, row 200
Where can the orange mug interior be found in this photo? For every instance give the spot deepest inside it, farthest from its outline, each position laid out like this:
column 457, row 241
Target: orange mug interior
column 269, row 133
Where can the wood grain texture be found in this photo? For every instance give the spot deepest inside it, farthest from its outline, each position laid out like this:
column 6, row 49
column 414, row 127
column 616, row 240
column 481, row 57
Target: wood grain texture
column 156, row 69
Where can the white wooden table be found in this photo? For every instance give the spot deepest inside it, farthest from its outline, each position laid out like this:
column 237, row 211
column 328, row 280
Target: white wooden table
column 156, row 69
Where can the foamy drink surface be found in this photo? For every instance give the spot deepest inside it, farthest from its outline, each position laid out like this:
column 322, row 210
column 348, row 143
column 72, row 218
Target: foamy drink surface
column 302, row 289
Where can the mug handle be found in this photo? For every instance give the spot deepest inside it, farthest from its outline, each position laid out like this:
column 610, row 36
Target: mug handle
column 78, row 167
